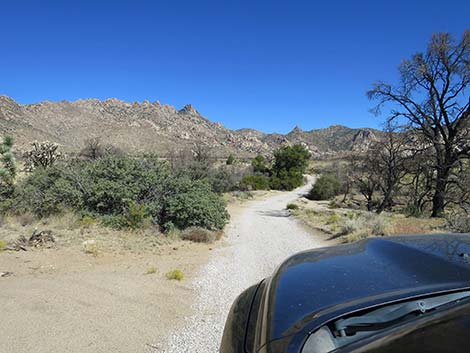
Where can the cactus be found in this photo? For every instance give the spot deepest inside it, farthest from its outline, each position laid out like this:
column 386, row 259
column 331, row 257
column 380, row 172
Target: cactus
column 7, row 167
column 42, row 155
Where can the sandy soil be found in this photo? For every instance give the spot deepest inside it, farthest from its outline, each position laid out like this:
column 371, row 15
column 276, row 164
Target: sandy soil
column 63, row 300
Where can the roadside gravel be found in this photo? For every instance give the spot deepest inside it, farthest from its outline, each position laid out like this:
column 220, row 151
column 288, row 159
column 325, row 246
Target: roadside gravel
column 259, row 239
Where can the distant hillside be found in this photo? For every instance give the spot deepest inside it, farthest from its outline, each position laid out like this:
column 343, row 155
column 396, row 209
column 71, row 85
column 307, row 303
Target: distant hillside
column 154, row 127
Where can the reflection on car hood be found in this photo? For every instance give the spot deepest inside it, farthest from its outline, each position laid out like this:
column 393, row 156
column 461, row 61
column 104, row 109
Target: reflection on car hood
column 316, row 286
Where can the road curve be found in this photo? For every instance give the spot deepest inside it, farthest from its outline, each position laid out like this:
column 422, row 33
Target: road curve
column 259, row 238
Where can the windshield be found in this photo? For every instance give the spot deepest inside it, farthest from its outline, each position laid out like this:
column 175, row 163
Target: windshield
column 354, row 328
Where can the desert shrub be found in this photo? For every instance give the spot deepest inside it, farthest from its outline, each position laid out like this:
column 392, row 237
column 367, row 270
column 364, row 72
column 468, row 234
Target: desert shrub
column 230, row 160
column 3, row 245
column 379, row 226
column 46, row 192
column 290, row 163
column 458, row 222
column 136, row 215
column 350, row 226
column 122, row 192
column 254, row 182
column 326, row 187
column 176, row 274
column 287, row 179
column 86, row 222
column 193, row 203
column 151, row 270
column 333, row 204
column 112, row 184
column 260, row 165
column 291, row 157
column 375, row 224
column 412, row 210
column 333, row 218
column 292, row 206
column 198, row 235
column 223, row 179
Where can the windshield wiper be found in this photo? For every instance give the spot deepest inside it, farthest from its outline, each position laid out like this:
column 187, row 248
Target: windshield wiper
column 389, row 315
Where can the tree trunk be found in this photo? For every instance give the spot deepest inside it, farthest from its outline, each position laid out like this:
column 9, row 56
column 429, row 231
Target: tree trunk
column 438, row 200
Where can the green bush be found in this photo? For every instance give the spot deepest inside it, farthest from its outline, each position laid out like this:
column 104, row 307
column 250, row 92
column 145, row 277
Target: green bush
column 122, row 192
column 289, row 157
column 255, row 182
column 46, row 192
column 292, row 206
column 260, row 165
column 326, row 187
column 113, row 183
column 193, row 203
column 222, row 179
column 287, row 179
column 290, row 163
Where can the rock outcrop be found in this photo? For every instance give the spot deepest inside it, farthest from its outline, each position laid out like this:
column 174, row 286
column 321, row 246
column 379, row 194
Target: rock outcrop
column 154, row 127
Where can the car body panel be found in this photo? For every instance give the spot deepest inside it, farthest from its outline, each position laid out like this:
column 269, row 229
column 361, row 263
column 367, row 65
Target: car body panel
column 311, row 286
column 317, row 286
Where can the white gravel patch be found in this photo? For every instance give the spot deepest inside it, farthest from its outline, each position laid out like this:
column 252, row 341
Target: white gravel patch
column 259, row 238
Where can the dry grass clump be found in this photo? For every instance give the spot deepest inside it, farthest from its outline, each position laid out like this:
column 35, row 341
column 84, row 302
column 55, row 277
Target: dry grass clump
column 355, row 225
column 90, row 247
column 363, row 225
column 25, row 219
column 175, row 274
column 3, row 245
column 351, row 226
column 86, row 222
column 413, row 225
column 64, row 221
column 198, row 235
column 151, row 270
column 348, row 226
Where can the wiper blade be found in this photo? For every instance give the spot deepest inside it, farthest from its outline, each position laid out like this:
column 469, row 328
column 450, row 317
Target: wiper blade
column 393, row 313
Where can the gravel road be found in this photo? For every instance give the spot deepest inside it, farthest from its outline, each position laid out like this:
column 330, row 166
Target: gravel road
column 259, row 238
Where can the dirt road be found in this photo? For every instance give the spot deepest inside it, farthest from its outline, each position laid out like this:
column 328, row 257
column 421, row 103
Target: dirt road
column 259, row 237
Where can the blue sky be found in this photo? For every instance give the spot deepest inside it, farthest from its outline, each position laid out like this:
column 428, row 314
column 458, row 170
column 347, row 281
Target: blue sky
column 269, row 65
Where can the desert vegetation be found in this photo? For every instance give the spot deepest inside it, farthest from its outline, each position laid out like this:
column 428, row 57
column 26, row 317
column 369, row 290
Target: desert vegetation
column 113, row 189
column 419, row 168
column 180, row 195
column 285, row 172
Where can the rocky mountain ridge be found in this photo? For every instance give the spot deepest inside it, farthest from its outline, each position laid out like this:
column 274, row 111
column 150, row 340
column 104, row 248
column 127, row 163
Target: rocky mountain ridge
column 154, row 127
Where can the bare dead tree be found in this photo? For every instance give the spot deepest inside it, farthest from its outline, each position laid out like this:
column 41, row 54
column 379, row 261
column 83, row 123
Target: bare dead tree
column 195, row 162
column 421, row 171
column 93, row 149
column 365, row 177
column 432, row 98
column 389, row 162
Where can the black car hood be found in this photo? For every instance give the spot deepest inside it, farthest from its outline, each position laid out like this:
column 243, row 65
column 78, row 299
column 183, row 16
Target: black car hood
column 313, row 287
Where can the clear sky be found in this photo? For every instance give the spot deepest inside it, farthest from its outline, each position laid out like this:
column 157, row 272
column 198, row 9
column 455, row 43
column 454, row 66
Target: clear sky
column 269, row 65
